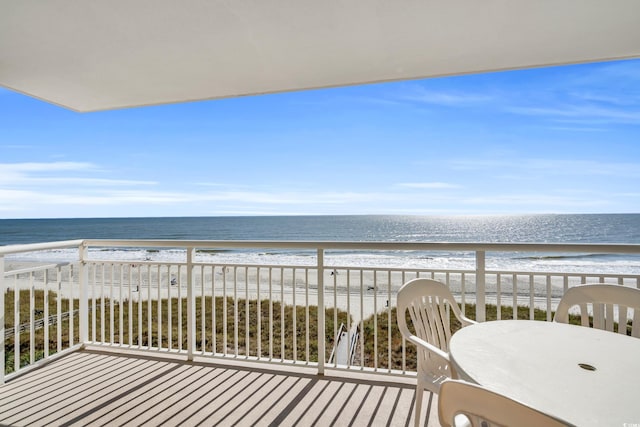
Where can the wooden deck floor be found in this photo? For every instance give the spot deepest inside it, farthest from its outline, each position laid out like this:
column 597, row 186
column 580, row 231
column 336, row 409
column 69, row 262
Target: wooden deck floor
column 104, row 388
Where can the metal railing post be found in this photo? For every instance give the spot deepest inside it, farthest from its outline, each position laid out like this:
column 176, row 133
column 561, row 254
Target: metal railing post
column 2, row 325
column 480, row 286
column 84, row 294
column 321, row 320
column 191, row 305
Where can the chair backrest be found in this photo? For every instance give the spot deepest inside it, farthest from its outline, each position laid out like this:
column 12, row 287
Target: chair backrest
column 607, row 303
column 427, row 301
column 462, row 403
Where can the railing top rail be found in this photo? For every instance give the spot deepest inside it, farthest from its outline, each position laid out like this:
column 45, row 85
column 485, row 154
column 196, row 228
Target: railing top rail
column 31, row 247
column 338, row 245
column 334, row 245
column 34, row 269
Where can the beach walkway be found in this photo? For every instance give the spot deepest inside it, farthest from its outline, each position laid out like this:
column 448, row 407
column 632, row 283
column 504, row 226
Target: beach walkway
column 101, row 387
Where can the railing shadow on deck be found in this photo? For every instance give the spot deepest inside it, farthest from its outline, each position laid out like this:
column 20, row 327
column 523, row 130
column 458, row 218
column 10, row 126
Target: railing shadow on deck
column 101, row 387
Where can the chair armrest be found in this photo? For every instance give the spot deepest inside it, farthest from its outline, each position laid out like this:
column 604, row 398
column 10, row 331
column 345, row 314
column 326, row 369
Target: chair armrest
column 466, row 321
column 430, row 347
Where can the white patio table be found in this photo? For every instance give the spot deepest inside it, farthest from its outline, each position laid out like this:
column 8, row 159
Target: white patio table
column 584, row 376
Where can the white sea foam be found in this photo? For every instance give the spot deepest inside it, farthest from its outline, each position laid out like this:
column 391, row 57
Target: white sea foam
column 602, row 264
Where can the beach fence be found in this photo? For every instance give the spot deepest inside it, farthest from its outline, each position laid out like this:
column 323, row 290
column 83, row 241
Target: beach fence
column 320, row 314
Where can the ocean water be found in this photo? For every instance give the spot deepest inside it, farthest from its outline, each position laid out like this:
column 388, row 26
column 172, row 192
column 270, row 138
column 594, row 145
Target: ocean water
column 594, row 228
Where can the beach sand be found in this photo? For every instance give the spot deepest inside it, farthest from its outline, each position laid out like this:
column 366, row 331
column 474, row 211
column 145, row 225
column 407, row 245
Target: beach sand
column 361, row 293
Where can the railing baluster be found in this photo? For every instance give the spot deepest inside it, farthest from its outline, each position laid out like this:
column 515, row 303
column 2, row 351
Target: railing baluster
column 349, row 333
column 514, row 295
column 321, row 319
column 159, row 307
column 270, row 315
column 140, row 302
column 335, row 318
column 214, row 323
column 389, row 359
column 404, row 341
column 191, row 305
column 102, row 317
column 32, row 320
column 94, row 310
column 258, row 316
column 180, row 298
column 293, row 317
column 120, row 308
column 224, row 310
column 282, row 315
column 247, row 312
column 549, row 298
column 59, row 308
column 203, row 311
column 306, row 299
column 45, row 312
column 235, row 312
column 636, row 313
column 2, row 321
column 375, row 321
column 71, row 307
column 480, row 286
column 169, row 309
column 499, row 296
column 361, row 279
column 149, row 309
column 531, row 297
column 130, row 309
column 463, row 293
column 16, row 324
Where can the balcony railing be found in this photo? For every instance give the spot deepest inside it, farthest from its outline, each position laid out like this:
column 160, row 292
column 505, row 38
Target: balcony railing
column 294, row 314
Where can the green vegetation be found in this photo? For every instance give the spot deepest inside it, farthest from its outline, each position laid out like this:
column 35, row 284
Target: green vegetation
column 39, row 335
column 506, row 312
column 243, row 321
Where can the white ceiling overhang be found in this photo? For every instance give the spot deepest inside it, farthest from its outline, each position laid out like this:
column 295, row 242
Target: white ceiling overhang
column 90, row 55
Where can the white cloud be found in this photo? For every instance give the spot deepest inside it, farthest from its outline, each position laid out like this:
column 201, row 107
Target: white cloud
column 16, row 173
column 591, row 114
column 429, row 185
column 602, row 94
column 537, row 200
column 576, row 167
column 211, row 184
column 634, row 195
column 445, row 98
column 48, row 174
column 100, row 202
column 612, row 72
column 578, row 128
column 607, row 98
column 84, row 181
column 46, row 167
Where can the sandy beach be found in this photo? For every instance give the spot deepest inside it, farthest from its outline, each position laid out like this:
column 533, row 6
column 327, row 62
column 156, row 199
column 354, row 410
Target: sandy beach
column 361, row 293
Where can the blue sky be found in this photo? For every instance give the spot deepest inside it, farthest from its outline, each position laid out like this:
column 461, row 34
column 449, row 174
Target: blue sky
column 550, row 140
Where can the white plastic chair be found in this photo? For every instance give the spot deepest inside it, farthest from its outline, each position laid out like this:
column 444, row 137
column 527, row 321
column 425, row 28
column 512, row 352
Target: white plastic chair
column 465, row 404
column 428, row 302
column 606, row 303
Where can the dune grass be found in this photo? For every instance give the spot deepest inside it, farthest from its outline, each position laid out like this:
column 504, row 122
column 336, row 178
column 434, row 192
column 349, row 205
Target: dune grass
column 270, row 337
column 383, row 326
column 266, row 333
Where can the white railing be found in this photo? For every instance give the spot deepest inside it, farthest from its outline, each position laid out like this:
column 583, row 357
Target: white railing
column 261, row 312
column 40, row 330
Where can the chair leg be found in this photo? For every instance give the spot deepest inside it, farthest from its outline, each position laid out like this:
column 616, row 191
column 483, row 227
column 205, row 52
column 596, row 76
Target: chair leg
column 419, row 395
